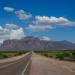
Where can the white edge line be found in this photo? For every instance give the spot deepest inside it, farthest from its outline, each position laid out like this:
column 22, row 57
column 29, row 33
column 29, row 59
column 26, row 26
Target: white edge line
column 25, row 68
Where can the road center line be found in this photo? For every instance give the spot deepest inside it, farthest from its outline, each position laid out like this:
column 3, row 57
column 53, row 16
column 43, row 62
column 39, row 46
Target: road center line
column 25, row 68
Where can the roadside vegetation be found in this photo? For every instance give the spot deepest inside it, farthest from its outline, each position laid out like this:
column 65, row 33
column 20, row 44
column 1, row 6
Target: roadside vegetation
column 61, row 55
column 8, row 54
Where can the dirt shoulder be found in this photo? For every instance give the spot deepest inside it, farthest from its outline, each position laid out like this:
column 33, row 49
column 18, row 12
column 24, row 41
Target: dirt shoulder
column 12, row 58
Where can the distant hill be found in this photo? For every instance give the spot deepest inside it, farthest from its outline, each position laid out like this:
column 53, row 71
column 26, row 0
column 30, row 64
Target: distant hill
column 32, row 43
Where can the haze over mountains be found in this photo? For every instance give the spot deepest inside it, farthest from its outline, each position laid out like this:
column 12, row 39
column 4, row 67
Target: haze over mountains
column 33, row 43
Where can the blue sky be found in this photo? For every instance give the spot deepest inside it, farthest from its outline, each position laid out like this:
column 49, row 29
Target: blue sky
column 46, row 19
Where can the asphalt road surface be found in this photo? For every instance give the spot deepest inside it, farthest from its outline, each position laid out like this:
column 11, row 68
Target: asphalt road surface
column 16, row 65
column 40, row 65
column 46, row 66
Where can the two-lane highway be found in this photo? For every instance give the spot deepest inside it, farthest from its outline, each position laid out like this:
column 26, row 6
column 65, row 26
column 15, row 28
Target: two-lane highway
column 17, row 66
column 40, row 66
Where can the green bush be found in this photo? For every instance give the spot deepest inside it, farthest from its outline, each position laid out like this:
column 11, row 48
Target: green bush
column 60, row 56
column 50, row 56
column 66, row 54
column 18, row 53
column 73, row 55
column 46, row 54
column 3, row 55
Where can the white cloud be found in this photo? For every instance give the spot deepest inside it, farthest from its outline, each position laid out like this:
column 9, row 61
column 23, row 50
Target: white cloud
column 1, row 41
column 4, row 34
column 9, row 9
column 1, row 28
column 43, row 23
column 17, row 34
column 50, row 19
column 38, row 27
column 11, row 31
column 23, row 15
column 11, row 26
column 45, row 38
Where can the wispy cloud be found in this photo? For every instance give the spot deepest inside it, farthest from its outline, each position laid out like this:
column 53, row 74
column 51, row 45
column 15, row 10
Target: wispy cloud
column 9, row 9
column 43, row 23
column 37, row 28
column 21, row 14
column 45, row 38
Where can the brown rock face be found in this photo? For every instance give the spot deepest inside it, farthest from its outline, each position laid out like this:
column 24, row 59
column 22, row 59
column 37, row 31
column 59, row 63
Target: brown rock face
column 32, row 43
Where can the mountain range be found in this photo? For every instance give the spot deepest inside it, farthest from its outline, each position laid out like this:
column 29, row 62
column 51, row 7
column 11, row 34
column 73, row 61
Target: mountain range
column 33, row 43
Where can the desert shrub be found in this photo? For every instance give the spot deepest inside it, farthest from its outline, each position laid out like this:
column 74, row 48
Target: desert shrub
column 46, row 54
column 50, row 56
column 73, row 55
column 66, row 54
column 60, row 56
column 18, row 53
column 3, row 55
